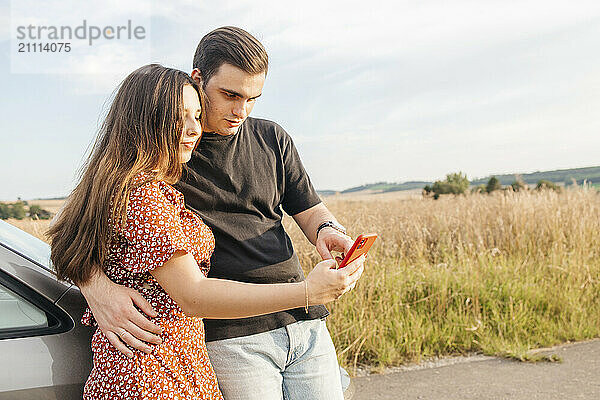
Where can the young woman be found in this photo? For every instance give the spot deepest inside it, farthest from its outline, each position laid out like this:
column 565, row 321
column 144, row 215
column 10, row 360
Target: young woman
column 126, row 218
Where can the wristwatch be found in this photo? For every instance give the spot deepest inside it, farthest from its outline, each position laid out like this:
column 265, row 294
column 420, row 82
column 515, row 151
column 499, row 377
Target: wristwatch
column 331, row 224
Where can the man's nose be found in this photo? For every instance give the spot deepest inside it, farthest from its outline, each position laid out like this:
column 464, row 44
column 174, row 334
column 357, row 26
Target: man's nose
column 239, row 109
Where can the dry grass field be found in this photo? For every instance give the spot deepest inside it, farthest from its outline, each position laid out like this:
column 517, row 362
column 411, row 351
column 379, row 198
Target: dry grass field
column 36, row 228
column 50, row 205
column 497, row 274
column 368, row 196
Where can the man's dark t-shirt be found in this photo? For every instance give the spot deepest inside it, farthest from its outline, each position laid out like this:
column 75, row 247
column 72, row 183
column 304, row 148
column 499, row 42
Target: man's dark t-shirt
column 239, row 185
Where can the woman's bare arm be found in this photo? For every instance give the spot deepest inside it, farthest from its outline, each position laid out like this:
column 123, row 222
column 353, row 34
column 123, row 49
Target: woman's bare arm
column 114, row 308
column 205, row 297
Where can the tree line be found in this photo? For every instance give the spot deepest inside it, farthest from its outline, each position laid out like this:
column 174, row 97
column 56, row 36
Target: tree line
column 22, row 210
column 458, row 183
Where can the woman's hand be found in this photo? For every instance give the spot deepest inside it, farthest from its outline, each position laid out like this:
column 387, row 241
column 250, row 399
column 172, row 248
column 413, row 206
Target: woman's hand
column 326, row 284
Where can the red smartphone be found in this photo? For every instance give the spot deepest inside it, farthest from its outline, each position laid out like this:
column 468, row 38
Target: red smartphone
column 361, row 245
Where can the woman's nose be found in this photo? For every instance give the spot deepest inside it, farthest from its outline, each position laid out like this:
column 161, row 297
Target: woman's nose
column 193, row 127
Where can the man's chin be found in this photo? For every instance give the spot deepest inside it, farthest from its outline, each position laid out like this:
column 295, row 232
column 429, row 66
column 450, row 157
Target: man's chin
column 228, row 131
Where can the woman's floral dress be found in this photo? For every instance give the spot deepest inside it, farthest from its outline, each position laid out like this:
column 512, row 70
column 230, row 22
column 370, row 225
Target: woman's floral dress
column 157, row 225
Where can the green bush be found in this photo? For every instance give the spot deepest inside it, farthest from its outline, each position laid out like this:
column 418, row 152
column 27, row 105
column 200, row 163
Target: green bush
column 455, row 183
column 478, row 189
column 547, row 185
column 37, row 212
column 493, row 185
column 17, row 210
column 441, row 187
column 518, row 185
column 4, row 211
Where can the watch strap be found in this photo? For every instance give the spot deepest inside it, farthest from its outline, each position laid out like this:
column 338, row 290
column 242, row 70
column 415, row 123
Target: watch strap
column 331, row 224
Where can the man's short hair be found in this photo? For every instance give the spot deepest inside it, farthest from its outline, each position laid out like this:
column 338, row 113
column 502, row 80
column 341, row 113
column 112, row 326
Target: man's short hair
column 230, row 45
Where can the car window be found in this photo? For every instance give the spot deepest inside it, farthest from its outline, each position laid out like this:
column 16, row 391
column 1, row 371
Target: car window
column 18, row 313
column 25, row 244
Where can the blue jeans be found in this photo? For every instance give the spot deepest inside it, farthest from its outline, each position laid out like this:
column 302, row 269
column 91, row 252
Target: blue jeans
column 297, row 361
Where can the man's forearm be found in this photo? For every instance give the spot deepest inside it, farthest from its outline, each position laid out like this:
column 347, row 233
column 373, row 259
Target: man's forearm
column 97, row 277
column 309, row 220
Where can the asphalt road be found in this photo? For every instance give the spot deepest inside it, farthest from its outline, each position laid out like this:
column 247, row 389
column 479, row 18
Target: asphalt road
column 577, row 377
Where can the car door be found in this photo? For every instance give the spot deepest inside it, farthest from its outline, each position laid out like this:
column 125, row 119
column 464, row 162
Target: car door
column 44, row 349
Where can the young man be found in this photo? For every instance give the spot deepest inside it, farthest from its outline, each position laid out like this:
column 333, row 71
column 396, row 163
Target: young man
column 244, row 172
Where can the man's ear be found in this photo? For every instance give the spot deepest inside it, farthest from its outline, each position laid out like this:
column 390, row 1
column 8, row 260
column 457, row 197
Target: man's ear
column 197, row 76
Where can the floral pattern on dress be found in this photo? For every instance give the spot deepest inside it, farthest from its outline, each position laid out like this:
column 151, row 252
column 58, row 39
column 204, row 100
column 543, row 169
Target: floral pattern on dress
column 157, row 225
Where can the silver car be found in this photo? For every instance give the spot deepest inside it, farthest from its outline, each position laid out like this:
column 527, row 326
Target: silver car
column 44, row 350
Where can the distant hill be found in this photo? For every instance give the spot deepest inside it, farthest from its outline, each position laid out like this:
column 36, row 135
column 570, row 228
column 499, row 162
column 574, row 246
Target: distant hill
column 51, row 198
column 560, row 176
column 326, row 192
column 379, row 187
column 387, row 187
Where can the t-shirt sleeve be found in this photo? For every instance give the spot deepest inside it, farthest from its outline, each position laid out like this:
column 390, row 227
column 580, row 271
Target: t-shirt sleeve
column 153, row 230
column 299, row 193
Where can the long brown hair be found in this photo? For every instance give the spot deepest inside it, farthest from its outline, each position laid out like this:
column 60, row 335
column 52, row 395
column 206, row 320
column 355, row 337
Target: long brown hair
column 141, row 133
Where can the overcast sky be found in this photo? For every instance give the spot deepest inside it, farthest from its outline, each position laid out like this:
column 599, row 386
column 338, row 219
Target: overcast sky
column 369, row 91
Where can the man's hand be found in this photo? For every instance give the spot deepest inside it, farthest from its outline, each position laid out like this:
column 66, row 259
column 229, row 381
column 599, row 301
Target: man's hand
column 329, row 240
column 113, row 309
